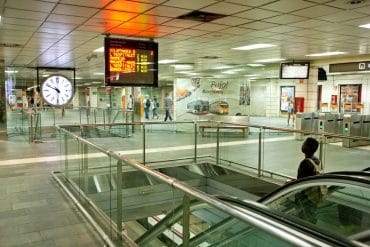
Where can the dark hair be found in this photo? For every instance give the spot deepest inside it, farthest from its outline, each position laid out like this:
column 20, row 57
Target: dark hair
column 310, row 146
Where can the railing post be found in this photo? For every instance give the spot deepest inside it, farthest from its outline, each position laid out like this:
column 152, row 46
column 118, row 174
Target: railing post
column 260, row 152
column 218, row 144
column 85, row 166
column 119, row 199
column 66, row 156
column 186, row 221
column 321, row 151
column 144, row 144
column 195, row 140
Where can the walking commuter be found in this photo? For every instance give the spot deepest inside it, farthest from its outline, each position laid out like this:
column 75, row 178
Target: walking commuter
column 168, row 106
column 155, row 106
column 291, row 111
column 146, row 104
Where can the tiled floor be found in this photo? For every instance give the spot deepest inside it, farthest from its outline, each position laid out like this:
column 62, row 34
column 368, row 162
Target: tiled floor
column 33, row 210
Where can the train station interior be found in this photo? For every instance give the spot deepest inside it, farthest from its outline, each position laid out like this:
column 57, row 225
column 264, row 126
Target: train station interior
column 181, row 123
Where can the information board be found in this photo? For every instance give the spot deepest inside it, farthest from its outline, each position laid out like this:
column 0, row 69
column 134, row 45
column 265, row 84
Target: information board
column 294, row 70
column 130, row 62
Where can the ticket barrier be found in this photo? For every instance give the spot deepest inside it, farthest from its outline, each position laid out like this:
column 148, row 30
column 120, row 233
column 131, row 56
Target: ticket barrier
column 314, row 122
column 327, row 123
column 352, row 126
column 303, row 122
column 365, row 129
column 339, row 124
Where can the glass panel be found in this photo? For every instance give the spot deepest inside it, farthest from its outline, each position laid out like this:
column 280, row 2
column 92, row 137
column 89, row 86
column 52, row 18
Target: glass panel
column 341, row 209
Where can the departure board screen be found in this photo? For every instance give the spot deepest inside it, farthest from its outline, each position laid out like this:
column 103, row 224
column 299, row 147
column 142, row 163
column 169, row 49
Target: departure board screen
column 130, row 62
column 299, row 70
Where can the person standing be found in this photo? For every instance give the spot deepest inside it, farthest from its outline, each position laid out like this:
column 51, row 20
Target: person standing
column 291, row 111
column 310, row 165
column 155, row 108
column 130, row 103
column 168, row 106
column 146, row 104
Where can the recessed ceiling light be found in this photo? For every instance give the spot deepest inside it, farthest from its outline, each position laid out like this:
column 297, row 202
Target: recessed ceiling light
column 100, row 49
column 167, row 61
column 11, row 71
column 253, row 47
column 252, row 75
column 270, row 60
column 332, row 53
column 95, row 82
column 365, row 25
column 99, row 73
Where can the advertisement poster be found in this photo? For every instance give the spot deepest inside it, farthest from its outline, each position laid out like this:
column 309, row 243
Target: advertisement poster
column 286, row 96
column 197, row 97
column 350, row 96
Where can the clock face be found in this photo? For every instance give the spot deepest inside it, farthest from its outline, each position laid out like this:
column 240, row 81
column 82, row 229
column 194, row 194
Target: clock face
column 57, row 90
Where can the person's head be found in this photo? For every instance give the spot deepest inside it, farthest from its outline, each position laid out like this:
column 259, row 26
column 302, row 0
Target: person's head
column 310, row 146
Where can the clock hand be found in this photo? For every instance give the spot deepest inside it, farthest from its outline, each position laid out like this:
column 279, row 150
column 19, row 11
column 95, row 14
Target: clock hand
column 56, row 89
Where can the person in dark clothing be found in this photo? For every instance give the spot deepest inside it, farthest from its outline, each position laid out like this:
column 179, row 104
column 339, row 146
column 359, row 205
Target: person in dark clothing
column 310, row 165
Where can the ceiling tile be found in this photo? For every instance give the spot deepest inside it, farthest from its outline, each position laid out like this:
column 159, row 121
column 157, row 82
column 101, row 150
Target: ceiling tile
column 311, row 23
column 66, row 19
column 358, row 22
column 284, row 19
column 225, row 8
column 114, row 15
column 316, row 11
column 182, row 23
column 25, row 14
column 189, row 4
column 232, row 21
column 210, row 27
column 40, row 6
column 252, row 3
column 150, row 19
column 341, row 16
column 166, row 29
column 73, row 10
column 281, row 29
column 87, row 3
column 257, row 14
column 167, row 11
column 258, row 25
column 364, row 10
column 192, row 32
column 130, row 6
column 346, row 5
column 22, row 22
column 286, row 6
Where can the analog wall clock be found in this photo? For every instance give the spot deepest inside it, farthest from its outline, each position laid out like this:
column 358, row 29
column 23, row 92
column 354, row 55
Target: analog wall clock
column 57, row 90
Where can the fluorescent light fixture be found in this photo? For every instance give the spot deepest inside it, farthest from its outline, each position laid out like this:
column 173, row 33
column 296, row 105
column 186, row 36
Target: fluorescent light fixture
column 223, row 67
column 270, row 60
column 332, row 53
column 255, row 65
column 45, row 75
column 11, row 71
column 167, row 61
column 252, row 75
column 95, row 82
column 229, row 72
column 100, row 49
column 365, row 25
column 253, row 47
column 182, row 66
column 78, row 78
column 99, row 73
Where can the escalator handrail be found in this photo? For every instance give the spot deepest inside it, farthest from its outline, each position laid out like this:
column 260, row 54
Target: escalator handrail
column 353, row 176
column 291, row 222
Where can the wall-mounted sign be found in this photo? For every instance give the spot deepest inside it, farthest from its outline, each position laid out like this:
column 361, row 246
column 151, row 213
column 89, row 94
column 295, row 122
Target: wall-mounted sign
column 130, row 62
column 349, row 67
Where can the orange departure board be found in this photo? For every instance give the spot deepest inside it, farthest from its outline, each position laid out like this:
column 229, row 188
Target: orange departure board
column 131, row 62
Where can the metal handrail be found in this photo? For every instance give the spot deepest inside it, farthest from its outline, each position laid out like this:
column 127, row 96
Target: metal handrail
column 279, row 230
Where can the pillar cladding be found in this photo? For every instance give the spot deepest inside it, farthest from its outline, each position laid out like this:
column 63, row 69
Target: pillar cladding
column 311, row 91
column 3, row 127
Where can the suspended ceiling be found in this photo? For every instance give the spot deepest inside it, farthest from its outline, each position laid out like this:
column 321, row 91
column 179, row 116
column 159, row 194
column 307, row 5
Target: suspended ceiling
column 65, row 33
